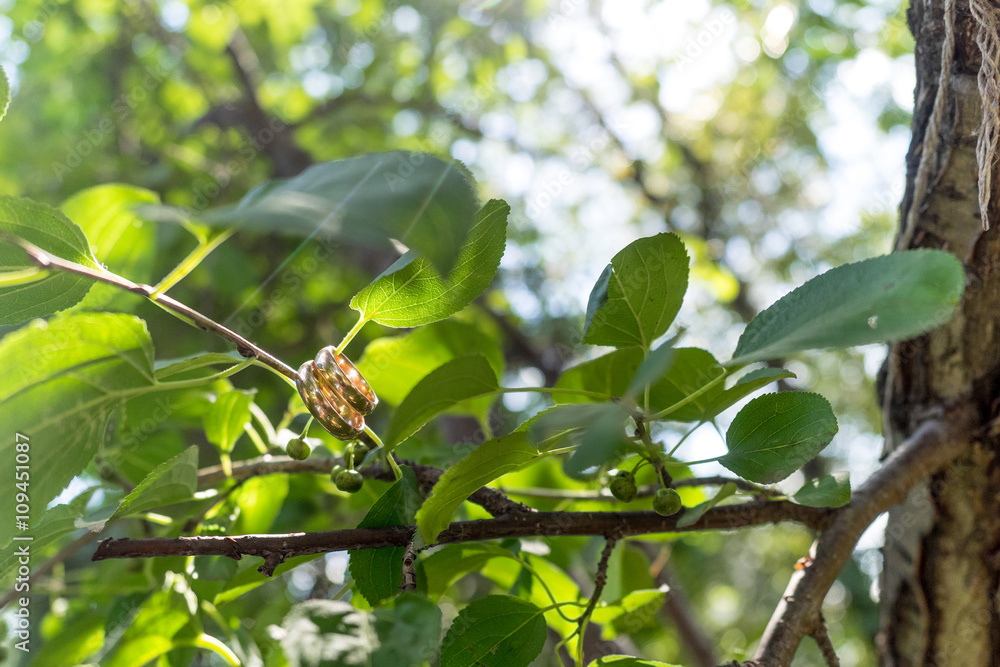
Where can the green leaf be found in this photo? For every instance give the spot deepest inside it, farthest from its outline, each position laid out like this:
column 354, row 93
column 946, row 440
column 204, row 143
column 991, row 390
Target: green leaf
column 394, row 365
column 424, row 202
column 451, row 562
column 170, row 368
column 412, row 292
column 61, row 381
column 638, row 295
column 458, row 380
column 119, row 239
column 776, row 434
column 379, row 572
column 627, row 661
column 602, row 440
column 691, row 369
column 151, row 631
column 887, row 298
column 745, row 386
column 173, row 481
column 826, row 491
column 609, row 611
column 4, row 93
column 656, row 364
column 54, row 233
column 259, row 500
column 487, row 462
column 495, row 631
column 692, row 514
column 409, row 632
column 226, row 419
column 327, row 633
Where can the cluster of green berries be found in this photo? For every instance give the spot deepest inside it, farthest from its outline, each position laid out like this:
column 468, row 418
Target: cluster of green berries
column 666, row 502
column 348, row 480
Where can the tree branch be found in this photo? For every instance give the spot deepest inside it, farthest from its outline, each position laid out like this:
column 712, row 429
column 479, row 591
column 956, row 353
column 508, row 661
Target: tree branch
column 933, row 445
column 492, row 500
column 276, row 548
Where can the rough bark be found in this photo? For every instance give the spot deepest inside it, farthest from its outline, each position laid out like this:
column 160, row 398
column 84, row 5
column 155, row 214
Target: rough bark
column 940, row 575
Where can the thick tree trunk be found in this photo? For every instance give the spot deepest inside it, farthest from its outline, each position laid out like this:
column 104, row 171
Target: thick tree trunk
column 939, row 594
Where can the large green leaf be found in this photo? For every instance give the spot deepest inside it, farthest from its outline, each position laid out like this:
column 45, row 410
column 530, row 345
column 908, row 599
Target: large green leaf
column 495, row 631
column 826, row 491
column 776, row 434
column 458, row 380
column 61, row 381
column 411, row 292
column 54, row 233
column 171, row 482
column 418, row 199
column 409, row 632
column 4, row 93
column 881, row 299
column 487, row 462
column 379, row 572
column 394, row 365
column 637, row 297
column 120, row 240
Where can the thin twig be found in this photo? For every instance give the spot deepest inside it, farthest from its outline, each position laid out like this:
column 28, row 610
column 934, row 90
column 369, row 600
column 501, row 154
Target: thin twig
column 249, row 350
column 409, row 569
column 822, row 638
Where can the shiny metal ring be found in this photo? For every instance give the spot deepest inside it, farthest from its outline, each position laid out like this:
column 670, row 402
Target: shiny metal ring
column 336, row 393
column 338, row 375
column 336, row 416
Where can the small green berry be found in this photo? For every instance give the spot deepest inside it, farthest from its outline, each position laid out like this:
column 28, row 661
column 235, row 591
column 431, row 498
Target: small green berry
column 298, row 449
column 337, row 469
column 349, row 481
column 360, row 450
column 667, row 502
column 622, row 486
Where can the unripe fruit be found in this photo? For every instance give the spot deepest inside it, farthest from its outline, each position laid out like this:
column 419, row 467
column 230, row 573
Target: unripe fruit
column 360, row 449
column 622, row 486
column 667, row 502
column 336, row 471
column 298, row 449
column 349, row 481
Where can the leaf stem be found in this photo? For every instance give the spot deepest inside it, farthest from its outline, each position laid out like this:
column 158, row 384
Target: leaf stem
column 684, row 437
column 46, row 261
column 188, row 264
column 351, row 334
column 687, row 399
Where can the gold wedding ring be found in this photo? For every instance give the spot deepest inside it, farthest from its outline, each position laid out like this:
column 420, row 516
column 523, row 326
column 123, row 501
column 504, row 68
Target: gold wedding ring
column 336, row 394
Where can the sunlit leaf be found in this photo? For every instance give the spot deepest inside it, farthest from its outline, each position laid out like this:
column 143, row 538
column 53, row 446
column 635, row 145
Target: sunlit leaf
column 394, row 365
column 444, row 567
column 692, row 514
column 171, row 482
column 627, row 661
column 119, row 238
column 4, row 93
column 881, row 299
column 458, row 380
column 637, row 297
column 776, row 434
column 61, row 381
column 226, row 419
column 412, row 292
column 487, row 462
column 54, row 233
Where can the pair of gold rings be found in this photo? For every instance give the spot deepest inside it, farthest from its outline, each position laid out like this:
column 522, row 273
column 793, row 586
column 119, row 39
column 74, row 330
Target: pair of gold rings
column 337, row 395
